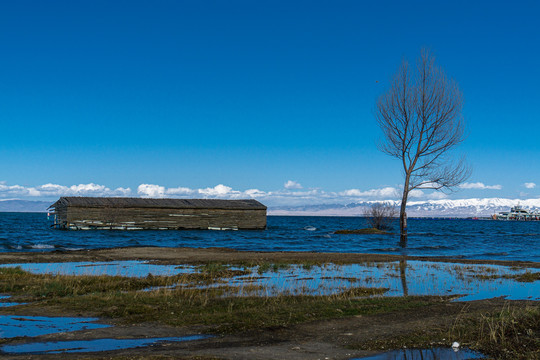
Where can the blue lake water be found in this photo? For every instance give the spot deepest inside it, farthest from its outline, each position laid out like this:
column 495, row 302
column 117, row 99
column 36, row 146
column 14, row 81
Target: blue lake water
column 77, row 346
column 426, row 354
column 457, row 238
column 14, row 325
column 399, row 278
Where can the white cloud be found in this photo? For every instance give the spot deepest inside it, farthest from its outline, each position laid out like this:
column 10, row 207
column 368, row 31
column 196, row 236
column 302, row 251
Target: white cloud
column 386, row 192
column 179, row 191
column 221, row 191
column 15, row 190
column 218, row 190
column 290, row 184
column 480, row 186
column 54, row 190
column 437, row 195
column 416, row 193
column 292, row 196
column 157, row 191
column 529, row 185
column 150, row 190
column 255, row 193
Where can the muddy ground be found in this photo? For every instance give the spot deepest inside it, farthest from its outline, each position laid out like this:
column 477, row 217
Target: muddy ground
column 326, row 339
column 329, row 339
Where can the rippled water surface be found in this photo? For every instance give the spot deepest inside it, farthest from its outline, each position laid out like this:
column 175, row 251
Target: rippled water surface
column 474, row 282
column 459, row 238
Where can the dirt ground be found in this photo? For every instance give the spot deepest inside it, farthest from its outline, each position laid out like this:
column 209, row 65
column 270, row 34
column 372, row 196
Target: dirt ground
column 327, row 339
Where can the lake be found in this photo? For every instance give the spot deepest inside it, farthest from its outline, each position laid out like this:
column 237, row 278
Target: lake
column 456, row 238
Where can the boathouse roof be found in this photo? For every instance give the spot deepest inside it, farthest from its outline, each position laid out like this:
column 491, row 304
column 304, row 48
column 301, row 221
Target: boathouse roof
column 125, row 202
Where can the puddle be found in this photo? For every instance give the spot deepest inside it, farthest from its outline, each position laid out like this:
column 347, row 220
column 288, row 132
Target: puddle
column 13, row 325
column 4, row 303
column 9, row 304
column 116, row 268
column 426, row 354
column 399, row 277
column 58, row 347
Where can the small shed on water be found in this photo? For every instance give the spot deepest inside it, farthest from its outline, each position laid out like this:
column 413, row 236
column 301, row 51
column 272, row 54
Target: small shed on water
column 85, row 213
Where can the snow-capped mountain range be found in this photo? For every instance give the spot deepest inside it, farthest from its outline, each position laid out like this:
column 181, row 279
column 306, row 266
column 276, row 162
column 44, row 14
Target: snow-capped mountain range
column 430, row 208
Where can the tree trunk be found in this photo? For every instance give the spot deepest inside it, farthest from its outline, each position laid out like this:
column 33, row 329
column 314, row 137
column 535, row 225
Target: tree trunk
column 403, row 220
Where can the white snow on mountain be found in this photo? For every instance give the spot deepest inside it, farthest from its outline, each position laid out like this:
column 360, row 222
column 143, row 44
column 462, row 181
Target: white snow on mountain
column 430, row 208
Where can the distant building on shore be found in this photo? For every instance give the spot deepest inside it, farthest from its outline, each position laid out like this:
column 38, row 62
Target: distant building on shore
column 116, row 213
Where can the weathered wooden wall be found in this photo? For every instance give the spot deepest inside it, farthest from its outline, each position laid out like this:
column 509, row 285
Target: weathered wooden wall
column 126, row 218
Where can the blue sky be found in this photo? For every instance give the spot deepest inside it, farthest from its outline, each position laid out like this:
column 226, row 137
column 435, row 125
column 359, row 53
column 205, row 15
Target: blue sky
column 265, row 99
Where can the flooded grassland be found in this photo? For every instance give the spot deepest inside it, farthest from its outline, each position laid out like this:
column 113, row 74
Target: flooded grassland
column 225, row 304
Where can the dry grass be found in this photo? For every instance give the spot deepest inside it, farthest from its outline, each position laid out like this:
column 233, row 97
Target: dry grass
column 195, row 299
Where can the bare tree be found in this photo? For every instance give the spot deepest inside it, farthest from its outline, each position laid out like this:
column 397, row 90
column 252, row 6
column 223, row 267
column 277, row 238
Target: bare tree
column 420, row 117
column 380, row 216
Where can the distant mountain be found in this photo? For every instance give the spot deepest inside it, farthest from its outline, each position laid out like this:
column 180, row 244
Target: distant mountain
column 24, row 206
column 429, row 208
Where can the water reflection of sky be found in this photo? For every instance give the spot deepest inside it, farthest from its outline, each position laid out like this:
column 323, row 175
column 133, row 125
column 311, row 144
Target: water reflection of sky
column 14, row 325
column 4, row 303
column 129, row 268
column 399, row 277
column 426, row 354
column 57, row 347
column 410, row 278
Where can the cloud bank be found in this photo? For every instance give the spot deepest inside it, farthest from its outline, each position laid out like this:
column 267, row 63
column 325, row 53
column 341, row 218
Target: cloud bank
column 54, row 190
column 292, row 193
column 479, row 186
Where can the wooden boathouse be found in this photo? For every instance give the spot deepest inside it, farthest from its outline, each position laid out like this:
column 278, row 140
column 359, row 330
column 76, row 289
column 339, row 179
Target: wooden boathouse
column 116, row 213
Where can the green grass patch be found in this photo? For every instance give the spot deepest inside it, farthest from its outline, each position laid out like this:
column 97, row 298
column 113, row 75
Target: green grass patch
column 32, row 287
column 527, row 276
column 227, row 314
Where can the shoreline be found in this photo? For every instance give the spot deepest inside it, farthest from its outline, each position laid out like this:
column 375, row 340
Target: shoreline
column 189, row 255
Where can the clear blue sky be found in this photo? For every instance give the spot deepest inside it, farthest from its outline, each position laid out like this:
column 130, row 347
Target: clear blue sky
column 251, row 94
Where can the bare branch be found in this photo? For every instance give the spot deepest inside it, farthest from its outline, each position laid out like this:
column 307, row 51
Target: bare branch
column 380, row 216
column 420, row 118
